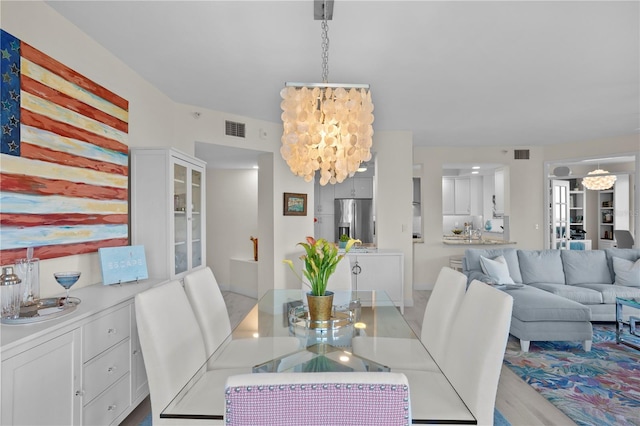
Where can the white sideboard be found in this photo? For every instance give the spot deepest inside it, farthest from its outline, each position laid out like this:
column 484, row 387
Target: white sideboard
column 84, row 368
column 379, row 270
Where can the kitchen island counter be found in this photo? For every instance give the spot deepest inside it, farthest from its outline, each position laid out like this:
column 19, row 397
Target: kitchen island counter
column 460, row 241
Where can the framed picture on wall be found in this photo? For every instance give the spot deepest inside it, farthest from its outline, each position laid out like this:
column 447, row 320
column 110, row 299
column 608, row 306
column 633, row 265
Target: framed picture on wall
column 295, row 204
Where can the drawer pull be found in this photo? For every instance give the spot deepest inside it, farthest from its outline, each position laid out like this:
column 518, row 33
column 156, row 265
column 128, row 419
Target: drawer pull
column 111, row 407
column 79, row 392
column 112, row 331
column 112, row 369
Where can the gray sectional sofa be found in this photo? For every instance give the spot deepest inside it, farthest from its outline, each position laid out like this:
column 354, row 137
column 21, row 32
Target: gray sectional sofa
column 561, row 291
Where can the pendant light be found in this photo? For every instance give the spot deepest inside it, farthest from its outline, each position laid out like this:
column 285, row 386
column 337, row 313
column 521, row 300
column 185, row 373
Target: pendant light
column 598, row 180
column 326, row 127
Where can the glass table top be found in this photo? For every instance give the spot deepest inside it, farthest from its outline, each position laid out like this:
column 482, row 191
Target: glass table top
column 255, row 346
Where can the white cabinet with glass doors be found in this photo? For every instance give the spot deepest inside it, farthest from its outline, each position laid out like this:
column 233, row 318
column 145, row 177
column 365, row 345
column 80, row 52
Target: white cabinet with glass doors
column 168, row 210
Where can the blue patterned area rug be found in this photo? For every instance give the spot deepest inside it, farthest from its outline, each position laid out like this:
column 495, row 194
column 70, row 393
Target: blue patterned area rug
column 601, row 387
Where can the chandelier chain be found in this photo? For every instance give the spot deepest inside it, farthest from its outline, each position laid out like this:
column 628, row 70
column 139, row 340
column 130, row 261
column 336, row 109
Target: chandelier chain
column 325, row 51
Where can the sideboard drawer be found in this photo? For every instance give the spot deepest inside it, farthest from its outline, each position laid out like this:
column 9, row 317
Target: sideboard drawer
column 105, row 370
column 108, row 406
column 105, row 332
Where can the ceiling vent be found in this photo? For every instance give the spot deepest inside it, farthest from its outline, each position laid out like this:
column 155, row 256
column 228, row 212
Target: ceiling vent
column 233, row 128
column 520, row 154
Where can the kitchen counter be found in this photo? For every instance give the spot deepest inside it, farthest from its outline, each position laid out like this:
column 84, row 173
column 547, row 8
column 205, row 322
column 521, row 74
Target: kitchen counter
column 461, row 241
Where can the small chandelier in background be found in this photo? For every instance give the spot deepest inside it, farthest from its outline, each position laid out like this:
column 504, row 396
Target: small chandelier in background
column 598, row 180
column 326, row 127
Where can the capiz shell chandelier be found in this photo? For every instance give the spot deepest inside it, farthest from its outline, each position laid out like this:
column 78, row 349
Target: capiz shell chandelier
column 600, row 181
column 326, row 127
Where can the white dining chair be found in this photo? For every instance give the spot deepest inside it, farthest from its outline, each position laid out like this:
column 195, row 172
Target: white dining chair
column 475, row 348
column 442, row 308
column 211, row 314
column 318, row 399
column 172, row 349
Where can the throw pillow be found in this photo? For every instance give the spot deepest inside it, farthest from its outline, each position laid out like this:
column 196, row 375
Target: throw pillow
column 627, row 272
column 497, row 269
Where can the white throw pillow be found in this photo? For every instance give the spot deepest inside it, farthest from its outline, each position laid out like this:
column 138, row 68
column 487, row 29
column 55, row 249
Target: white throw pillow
column 497, row 269
column 627, row 272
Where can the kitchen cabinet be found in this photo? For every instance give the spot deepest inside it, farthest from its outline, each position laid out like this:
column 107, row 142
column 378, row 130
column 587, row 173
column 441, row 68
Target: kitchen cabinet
column 323, row 198
column 354, row 187
column 168, row 214
column 613, row 211
column 456, row 196
column 381, row 270
column 82, row 368
column 324, row 227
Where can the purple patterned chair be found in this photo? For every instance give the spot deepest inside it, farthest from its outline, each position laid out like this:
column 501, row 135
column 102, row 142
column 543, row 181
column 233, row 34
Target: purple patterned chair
column 318, row 399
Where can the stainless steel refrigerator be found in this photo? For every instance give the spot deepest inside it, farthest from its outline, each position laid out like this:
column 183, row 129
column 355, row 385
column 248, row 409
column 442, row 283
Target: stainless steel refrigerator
column 355, row 218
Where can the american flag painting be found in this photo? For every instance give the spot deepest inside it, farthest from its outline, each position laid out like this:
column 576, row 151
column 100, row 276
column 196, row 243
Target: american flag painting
column 64, row 158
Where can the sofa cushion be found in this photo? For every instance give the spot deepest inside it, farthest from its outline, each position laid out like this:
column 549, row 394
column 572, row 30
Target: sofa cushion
column 533, row 304
column 585, row 267
column 472, row 260
column 629, row 254
column 610, row 292
column 572, row 292
column 497, row 269
column 627, row 273
column 541, row 266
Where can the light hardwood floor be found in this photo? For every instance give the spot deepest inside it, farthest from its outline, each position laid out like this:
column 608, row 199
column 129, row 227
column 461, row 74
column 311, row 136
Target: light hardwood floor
column 518, row 402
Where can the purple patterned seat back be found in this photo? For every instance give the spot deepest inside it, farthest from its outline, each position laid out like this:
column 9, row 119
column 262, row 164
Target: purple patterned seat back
column 318, row 399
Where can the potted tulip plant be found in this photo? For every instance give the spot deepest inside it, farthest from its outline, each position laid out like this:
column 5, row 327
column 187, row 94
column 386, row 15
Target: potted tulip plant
column 320, row 261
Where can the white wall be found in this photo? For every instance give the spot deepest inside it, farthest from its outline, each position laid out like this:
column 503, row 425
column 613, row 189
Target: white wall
column 232, row 199
column 150, row 112
column 431, row 255
column 394, row 196
column 155, row 120
column 525, row 192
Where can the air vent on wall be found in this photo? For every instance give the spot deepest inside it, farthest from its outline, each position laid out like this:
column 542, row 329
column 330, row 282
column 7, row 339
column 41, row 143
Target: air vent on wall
column 521, row 154
column 232, row 128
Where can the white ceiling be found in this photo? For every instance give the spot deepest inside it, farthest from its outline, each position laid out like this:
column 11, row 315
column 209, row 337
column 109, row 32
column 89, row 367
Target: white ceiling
column 454, row 73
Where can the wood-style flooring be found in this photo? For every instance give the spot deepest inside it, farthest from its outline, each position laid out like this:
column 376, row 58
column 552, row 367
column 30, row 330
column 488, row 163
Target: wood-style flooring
column 518, row 402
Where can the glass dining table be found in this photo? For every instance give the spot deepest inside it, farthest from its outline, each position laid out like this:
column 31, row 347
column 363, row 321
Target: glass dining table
column 365, row 332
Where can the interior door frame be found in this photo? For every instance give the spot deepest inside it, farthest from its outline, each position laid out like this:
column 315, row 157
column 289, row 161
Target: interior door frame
column 559, row 231
column 548, row 175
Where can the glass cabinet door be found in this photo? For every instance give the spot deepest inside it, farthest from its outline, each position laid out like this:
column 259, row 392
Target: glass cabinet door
column 196, row 218
column 180, row 203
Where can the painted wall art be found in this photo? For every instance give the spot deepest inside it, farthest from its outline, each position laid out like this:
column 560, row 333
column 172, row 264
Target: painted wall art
column 64, row 158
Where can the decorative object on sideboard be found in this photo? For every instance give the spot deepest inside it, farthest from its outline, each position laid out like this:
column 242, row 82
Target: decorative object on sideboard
column 28, row 269
column 67, row 280
column 10, row 293
column 327, row 127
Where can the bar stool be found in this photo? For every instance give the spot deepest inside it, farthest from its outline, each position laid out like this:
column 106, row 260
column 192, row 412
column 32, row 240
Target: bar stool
column 455, row 262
